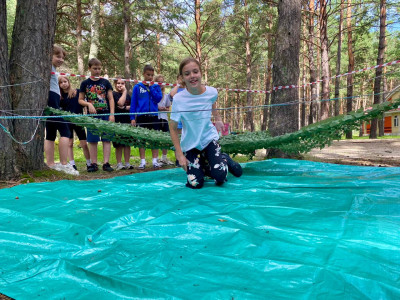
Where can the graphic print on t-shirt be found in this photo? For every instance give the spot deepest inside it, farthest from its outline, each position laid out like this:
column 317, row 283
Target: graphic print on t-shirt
column 97, row 95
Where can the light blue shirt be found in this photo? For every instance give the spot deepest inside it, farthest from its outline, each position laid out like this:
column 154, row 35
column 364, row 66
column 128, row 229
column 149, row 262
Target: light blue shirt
column 195, row 113
column 54, row 87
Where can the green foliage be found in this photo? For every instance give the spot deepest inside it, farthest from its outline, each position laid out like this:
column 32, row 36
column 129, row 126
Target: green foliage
column 11, row 8
column 317, row 135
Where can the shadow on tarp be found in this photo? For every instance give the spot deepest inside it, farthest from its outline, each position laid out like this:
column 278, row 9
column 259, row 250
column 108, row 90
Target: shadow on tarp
column 285, row 230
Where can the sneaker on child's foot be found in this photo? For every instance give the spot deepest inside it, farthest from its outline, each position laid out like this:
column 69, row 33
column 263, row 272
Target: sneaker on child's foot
column 156, row 165
column 92, row 168
column 67, row 168
column 75, row 168
column 120, row 166
column 142, row 166
column 233, row 167
column 128, row 166
column 107, row 167
column 166, row 161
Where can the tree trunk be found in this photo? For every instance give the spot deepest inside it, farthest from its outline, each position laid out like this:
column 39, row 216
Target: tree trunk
column 8, row 162
column 349, row 134
column 285, row 119
column 94, row 29
column 79, row 49
column 30, row 60
column 303, row 70
column 338, row 61
column 378, row 72
column 268, row 80
column 324, row 60
column 311, row 62
column 127, row 41
column 249, row 96
column 198, row 30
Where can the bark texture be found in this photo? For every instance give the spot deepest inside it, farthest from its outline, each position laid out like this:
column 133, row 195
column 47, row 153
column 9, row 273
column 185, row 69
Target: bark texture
column 286, row 70
column 30, row 65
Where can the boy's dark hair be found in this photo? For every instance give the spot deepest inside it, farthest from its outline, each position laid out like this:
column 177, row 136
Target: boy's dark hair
column 147, row 68
column 59, row 50
column 94, row 62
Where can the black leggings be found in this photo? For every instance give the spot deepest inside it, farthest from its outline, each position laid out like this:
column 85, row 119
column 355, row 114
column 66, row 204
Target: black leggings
column 206, row 162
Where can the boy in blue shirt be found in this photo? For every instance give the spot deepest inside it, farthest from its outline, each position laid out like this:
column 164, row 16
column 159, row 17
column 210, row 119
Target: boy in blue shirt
column 145, row 98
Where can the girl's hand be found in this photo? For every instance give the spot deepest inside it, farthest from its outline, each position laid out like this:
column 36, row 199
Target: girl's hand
column 133, row 122
column 183, row 161
column 111, row 118
column 162, row 108
column 220, row 126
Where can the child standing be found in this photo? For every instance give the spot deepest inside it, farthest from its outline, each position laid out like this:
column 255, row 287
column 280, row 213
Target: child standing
column 163, row 107
column 198, row 151
column 69, row 102
column 122, row 105
column 57, row 124
column 145, row 98
column 96, row 94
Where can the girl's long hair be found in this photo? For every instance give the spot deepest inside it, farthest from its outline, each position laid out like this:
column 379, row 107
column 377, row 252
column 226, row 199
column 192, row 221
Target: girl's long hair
column 71, row 92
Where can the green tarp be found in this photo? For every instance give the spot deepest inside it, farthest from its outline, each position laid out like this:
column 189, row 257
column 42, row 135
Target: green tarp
column 286, row 229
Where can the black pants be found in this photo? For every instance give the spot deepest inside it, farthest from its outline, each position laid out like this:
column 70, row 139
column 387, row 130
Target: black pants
column 206, row 162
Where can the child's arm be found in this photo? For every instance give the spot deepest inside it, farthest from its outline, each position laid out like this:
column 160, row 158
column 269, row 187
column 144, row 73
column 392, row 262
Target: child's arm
column 122, row 99
column 84, row 103
column 133, row 106
column 173, row 131
column 112, row 105
column 217, row 117
column 155, row 93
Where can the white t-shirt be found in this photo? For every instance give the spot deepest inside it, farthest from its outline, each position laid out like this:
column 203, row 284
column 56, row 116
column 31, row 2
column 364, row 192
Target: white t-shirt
column 194, row 111
column 165, row 102
column 54, row 87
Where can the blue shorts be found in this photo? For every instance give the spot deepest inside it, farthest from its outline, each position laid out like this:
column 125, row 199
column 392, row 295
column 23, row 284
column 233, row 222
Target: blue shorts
column 94, row 138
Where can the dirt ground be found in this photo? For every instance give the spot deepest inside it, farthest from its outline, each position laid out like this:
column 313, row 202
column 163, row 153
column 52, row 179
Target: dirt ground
column 380, row 152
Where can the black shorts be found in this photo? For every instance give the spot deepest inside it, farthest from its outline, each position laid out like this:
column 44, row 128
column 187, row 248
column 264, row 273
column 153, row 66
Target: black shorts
column 56, row 124
column 80, row 132
column 164, row 127
column 148, row 121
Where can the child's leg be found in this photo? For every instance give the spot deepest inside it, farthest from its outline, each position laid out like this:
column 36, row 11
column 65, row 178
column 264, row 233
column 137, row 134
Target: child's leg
column 49, row 152
column 63, row 149
column 195, row 174
column 127, row 154
column 218, row 166
column 106, row 151
column 93, row 151
column 118, row 154
column 154, row 153
column 142, row 153
column 85, row 149
column 70, row 155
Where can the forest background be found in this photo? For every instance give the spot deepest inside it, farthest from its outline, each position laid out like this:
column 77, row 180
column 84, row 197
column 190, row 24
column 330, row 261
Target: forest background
column 242, row 45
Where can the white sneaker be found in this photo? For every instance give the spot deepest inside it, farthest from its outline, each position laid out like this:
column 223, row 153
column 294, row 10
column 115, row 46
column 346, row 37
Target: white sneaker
column 142, row 166
column 166, row 161
column 128, row 166
column 66, row 169
column 156, row 165
column 120, row 166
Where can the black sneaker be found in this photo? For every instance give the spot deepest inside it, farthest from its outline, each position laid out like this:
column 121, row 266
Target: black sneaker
column 177, row 163
column 233, row 167
column 92, row 168
column 107, row 167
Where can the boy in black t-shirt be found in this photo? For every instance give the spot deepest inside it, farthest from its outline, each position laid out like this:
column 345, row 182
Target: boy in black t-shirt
column 96, row 94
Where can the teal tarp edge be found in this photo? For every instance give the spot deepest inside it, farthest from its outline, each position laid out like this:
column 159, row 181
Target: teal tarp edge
column 285, row 229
